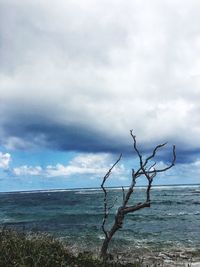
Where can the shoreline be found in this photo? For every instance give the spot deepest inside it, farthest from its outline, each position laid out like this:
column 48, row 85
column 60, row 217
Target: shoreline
column 165, row 257
column 39, row 246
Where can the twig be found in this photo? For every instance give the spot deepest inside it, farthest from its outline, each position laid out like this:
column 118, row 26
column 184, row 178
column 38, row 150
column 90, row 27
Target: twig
column 123, row 193
column 106, row 209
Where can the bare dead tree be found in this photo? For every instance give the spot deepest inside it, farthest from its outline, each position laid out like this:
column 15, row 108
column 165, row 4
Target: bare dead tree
column 147, row 169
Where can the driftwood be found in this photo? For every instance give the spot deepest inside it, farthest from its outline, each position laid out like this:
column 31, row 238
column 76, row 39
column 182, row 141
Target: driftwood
column 147, row 169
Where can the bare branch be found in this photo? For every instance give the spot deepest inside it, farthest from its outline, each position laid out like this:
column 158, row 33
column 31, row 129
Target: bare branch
column 166, row 168
column 123, row 193
column 130, row 190
column 154, row 153
column 136, row 207
column 103, row 223
column 154, row 164
column 109, row 171
column 111, row 206
column 106, row 208
column 135, row 147
column 149, row 188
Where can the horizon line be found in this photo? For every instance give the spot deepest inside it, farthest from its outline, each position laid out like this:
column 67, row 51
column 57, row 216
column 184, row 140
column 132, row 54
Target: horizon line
column 89, row 188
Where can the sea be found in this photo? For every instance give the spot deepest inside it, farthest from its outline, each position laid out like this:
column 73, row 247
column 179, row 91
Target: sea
column 75, row 217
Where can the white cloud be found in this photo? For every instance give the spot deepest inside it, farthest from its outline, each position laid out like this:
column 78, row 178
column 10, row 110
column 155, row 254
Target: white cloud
column 94, row 166
column 108, row 65
column 28, row 170
column 84, row 164
column 5, row 160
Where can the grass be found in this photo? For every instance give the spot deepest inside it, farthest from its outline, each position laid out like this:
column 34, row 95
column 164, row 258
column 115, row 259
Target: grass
column 18, row 249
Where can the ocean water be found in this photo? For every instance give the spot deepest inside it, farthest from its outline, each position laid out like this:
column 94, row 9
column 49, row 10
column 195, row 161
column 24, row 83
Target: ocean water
column 75, row 216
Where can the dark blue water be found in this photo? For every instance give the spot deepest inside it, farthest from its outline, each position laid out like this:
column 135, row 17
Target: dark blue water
column 76, row 216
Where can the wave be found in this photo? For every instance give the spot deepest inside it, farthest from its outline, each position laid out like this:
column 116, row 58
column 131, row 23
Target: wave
column 182, row 213
column 88, row 192
column 43, row 191
column 196, row 191
column 196, row 202
column 167, row 202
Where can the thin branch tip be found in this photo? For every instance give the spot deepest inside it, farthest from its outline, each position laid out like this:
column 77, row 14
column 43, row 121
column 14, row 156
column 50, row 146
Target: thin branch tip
column 131, row 132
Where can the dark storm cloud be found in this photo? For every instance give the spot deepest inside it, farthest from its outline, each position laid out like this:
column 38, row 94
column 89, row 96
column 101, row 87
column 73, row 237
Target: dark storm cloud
column 23, row 132
column 31, row 132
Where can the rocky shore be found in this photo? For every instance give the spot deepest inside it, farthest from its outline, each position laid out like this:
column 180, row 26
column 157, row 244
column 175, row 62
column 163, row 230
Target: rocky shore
column 175, row 257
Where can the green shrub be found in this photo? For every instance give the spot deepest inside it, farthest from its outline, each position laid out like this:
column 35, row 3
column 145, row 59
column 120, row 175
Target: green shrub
column 18, row 249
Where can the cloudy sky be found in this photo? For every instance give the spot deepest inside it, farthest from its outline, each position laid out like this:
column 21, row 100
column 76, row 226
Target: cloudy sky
column 76, row 76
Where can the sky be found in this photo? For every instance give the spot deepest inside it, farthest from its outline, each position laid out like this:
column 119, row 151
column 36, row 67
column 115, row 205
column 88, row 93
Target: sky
column 77, row 76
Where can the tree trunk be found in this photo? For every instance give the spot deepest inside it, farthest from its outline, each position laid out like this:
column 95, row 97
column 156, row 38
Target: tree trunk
column 116, row 226
column 104, row 247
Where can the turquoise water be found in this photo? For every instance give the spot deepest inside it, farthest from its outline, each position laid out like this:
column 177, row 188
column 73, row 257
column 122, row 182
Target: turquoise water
column 76, row 216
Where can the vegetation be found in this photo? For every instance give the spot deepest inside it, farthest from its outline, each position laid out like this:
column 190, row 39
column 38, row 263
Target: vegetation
column 18, row 249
